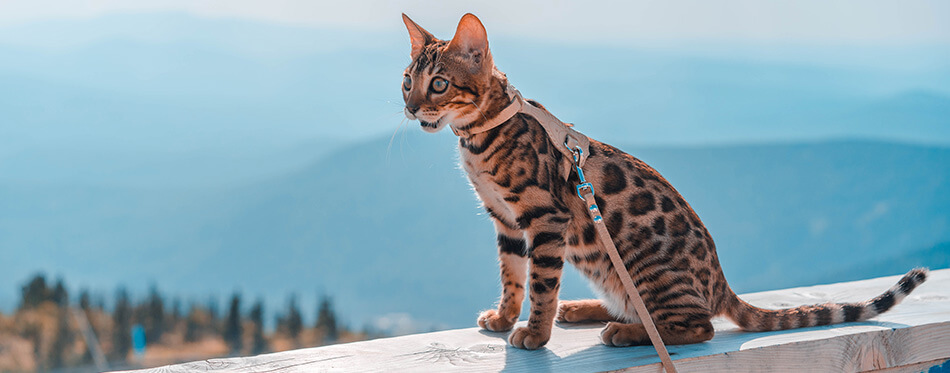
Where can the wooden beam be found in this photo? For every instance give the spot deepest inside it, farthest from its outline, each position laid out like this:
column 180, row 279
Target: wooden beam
column 913, row 335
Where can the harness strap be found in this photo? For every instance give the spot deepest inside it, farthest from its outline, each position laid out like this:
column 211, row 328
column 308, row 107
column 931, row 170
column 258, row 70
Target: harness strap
column 559, row 132
column 576, row 149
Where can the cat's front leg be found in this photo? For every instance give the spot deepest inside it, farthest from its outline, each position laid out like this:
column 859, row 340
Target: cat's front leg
column 512, row 255
column 546, row 254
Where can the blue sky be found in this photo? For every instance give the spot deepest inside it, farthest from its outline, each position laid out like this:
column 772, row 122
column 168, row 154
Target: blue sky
column 611, row 22
column 906, row 35
column 275, row 56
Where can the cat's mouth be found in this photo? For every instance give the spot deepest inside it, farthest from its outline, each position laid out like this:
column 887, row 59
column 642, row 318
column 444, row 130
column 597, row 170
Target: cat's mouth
column 432, row 127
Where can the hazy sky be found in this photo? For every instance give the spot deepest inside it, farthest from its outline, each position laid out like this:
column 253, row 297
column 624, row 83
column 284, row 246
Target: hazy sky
column 860, row 22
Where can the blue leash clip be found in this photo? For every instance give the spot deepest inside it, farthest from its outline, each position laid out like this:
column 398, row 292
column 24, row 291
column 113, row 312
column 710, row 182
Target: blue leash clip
column 577, row 152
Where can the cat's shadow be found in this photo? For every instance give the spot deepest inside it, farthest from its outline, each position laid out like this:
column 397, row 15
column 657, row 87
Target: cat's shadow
column 601, row 357
column 573, row 326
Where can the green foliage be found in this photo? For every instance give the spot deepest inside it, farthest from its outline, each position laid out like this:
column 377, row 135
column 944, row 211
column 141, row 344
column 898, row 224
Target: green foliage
column 59, row 295
column 122, row 326
column 233, row 330
column 176, row 312
column 153, row 316
column 35, row 292
column 291, row 323
column 56, row 338
column 213, row 314
column 256, row 316
column 326, row 320
column 193, row 325
column 84, row 300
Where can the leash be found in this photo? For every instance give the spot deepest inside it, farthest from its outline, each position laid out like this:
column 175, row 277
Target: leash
column 585, row 190
column 576, row 149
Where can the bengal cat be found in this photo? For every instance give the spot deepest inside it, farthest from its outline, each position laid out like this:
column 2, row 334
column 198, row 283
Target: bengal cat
column 521, row 180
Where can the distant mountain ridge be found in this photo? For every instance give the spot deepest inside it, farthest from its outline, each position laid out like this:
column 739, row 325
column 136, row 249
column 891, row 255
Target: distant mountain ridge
column 936, row 257
column 399, row 231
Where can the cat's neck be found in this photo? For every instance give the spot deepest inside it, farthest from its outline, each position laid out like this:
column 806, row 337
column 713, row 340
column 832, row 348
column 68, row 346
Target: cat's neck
column 492, row 102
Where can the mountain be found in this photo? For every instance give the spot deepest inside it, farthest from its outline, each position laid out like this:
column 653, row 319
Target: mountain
column 783, row 212
column 397, row 230
column 936, row 257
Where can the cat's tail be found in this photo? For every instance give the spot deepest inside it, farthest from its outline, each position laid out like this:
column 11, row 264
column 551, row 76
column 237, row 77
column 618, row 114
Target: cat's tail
column 752, row 318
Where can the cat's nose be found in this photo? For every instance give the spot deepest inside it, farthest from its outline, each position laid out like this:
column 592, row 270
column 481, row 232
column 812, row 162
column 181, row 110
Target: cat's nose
column 412, row 108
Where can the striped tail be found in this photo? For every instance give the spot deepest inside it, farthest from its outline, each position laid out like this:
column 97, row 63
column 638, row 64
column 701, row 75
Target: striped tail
column 752, row 318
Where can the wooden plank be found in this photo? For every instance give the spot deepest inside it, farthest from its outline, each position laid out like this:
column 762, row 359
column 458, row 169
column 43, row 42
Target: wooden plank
column 880, row 349
column 933, row 366
column 915, row 331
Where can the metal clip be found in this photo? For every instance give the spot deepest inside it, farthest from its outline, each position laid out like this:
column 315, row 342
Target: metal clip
column 577, row 153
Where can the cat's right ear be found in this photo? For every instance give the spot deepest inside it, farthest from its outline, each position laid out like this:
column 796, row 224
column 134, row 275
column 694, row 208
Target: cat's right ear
column 418, row 35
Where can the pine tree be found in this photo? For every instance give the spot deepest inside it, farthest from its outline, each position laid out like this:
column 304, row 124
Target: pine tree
column 193, row 325
column 294, row 321
column 154, row 316
column 34, row 292
column 59, row 294
column 84, row 300
column 256, row 316
column 176, row 313
column 213, row 315
column 326, row 320
column 233, row 331
column 280, row 320
column 122, row 326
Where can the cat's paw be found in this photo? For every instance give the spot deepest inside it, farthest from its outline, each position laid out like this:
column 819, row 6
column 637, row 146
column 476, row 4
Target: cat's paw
column 528, row 338
column 491, row 320
column 622, row 335
column 572, row 312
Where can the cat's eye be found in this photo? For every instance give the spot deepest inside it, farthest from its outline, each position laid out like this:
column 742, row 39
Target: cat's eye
column 439, row 85
column 406, row 83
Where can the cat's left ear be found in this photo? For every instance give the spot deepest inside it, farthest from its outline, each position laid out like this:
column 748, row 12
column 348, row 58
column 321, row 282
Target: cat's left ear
column 418, row 35
column 470, row 38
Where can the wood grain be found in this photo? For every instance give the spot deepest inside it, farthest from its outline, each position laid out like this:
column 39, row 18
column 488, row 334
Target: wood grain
column 912, row 335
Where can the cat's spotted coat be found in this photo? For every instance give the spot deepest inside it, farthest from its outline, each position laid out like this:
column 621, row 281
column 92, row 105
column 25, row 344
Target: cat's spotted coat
column 541, row 223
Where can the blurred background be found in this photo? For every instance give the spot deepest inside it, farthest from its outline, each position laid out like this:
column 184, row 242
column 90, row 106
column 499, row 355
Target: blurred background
column 210, row 178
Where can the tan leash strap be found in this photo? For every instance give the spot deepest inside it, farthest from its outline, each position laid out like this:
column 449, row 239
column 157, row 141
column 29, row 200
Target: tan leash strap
column 586, row 191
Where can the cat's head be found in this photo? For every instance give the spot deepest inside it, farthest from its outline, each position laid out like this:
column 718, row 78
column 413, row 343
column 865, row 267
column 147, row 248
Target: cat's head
column 448, row 81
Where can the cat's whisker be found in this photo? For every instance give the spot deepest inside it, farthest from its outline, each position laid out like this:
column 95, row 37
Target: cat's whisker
column 402, row 145
column 389, row 147
column 405, row 135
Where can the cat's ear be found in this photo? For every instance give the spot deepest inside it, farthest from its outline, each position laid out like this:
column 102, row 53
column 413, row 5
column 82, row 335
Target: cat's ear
column 470, row 38
column 418, row 35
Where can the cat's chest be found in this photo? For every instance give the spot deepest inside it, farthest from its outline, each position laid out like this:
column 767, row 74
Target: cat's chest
column 484, row 181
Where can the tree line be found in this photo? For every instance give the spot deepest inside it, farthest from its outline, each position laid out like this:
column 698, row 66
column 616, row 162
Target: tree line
column 43, row 321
